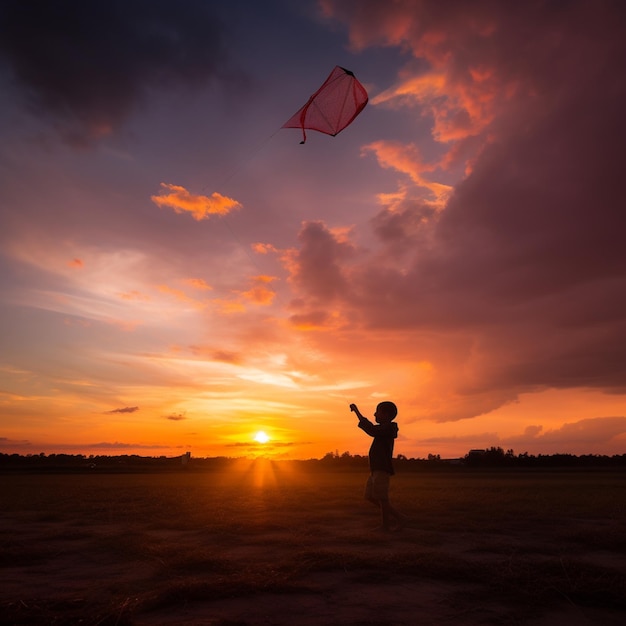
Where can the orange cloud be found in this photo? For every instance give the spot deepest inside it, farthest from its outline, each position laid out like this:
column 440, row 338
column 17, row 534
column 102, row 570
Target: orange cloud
column 466, row 72
column 198, row 283
column 459, row 108
column 264, row 248
column 408, row 160
column 201, row 207
column 422, row 88
column 134, row 295
column 127, row 326
column 77, row 263
column 227, row 307
column 177, row 293
column 259, row 293
column 316, row 320
column 217, row 354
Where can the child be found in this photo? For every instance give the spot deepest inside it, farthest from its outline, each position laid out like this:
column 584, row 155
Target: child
column 380, row 456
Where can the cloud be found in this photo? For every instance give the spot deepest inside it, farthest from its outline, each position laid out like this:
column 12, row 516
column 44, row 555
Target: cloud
column 126, row 409
column 517, row 282
column 134, row 295
column 201, row 207
column 589, row 432
column 311, row 320
column 317, row 266
column 229, row 307
column 264, row 248
column 19, row 446
column 115, row 445
column 586, row 436
column 406, row 158
column 181, row 296
column 404, row 223
column 457, row 113
column 259, row 293
column 220, row 355
column 15, row 444
column 176, row 417
column 198, row 283
column 88, row 65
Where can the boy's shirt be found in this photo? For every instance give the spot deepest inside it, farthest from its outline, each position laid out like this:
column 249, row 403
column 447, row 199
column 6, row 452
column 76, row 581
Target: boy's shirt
column 381, row 450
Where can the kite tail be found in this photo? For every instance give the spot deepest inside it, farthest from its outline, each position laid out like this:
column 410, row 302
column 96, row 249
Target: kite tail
column 303, row 136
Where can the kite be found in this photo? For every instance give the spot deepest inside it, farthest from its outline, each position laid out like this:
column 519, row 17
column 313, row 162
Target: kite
column 333, row 106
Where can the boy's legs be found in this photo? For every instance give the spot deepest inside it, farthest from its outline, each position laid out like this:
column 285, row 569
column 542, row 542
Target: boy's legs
column 370, row 495
column 377, row 492
column 388, row 513
column 385, row 513
column 399, row 517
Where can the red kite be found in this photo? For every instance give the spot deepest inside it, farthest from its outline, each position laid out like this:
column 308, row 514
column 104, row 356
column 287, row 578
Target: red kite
column 333, row 106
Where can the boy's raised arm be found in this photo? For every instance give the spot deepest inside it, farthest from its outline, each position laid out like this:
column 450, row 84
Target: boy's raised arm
column 355, row 409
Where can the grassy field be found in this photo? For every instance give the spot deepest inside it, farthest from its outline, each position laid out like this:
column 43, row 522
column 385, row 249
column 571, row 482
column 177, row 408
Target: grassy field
column 266, row 545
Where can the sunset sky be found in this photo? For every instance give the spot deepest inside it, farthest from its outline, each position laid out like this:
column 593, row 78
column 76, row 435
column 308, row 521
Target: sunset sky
column 178, row 273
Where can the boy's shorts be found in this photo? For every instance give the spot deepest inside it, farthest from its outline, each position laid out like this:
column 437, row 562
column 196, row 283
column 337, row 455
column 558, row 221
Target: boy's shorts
column 377, row 487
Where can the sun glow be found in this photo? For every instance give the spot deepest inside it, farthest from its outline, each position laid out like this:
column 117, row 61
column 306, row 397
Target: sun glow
column 261, row 437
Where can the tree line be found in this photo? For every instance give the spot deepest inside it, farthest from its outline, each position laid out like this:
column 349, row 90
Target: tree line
column 493, row 457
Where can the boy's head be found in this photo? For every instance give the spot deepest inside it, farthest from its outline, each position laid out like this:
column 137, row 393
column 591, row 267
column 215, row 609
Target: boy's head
column 386, row 412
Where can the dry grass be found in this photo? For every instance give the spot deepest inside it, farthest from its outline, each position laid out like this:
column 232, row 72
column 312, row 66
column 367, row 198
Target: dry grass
column 263, row 545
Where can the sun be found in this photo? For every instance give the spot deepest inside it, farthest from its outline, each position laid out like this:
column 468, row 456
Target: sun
column 261, row 437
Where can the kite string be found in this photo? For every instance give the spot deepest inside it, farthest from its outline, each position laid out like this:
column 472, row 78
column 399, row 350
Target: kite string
column 230, row 174
column 225, row 179
column 337, row 74
column 241, row 244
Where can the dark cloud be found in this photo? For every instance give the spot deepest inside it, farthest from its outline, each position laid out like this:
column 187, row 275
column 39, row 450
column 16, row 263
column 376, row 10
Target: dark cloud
column 126, row 409
column 52, row 448
column 401, row 227
column 589, row 435
column 311, row 319
column 317, row 267
column 89, row 64
column 589, row 432
column 224, row 356
column 115, row 445
column 15, row 443
column 176, row 417
column 519, row 281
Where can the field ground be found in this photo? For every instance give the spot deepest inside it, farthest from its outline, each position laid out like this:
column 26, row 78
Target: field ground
column 266, row 545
